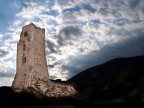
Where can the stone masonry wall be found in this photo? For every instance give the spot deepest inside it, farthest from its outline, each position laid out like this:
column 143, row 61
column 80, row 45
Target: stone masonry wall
column 32, row 71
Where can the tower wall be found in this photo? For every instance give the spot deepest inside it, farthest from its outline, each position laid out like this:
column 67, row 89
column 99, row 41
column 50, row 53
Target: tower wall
column 31, row 59
column 32, row 71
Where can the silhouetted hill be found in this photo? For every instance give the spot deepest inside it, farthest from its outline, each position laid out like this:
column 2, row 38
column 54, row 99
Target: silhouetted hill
column 120, row 79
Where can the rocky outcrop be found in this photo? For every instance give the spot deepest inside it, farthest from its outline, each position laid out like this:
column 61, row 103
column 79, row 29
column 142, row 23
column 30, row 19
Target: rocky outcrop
column 32, row 71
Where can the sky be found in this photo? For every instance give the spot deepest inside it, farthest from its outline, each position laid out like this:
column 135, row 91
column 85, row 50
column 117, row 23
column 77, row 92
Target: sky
column 79, row 33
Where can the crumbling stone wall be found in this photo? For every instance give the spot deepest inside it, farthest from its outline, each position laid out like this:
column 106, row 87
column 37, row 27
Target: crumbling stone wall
column 32, row 71
column 31, row 61
column 52, row 89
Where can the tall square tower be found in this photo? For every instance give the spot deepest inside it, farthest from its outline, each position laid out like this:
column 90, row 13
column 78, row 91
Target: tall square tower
column 31, row 59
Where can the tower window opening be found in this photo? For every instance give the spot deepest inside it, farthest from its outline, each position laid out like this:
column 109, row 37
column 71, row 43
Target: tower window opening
column 24, row 59
column 25, row 34
column 24, row 47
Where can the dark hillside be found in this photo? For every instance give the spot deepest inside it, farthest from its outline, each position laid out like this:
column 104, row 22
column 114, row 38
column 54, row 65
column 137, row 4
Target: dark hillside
column 119, row 78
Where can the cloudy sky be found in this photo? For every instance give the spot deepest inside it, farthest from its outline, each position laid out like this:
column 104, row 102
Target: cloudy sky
column 79, row 33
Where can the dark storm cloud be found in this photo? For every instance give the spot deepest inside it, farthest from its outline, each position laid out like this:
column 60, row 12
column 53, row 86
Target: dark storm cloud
column 96, row 21
column 130, row 47
column 134, row 3
column 104, row 11
column 3, row 53
column 65, row 36
column 51, row 46
column 137, row 19
column 51, row 66
column 116, row 13
column 68, row 33
column 88, row 7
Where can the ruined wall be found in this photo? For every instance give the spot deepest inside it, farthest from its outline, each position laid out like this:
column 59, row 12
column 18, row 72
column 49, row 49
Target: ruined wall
column 31, row 71
column 31, row 61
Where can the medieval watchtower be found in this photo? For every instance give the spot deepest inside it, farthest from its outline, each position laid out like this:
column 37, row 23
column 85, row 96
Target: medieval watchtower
column 31, row 59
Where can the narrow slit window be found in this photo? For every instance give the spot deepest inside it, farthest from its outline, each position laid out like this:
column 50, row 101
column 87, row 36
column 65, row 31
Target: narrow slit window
column 24, row 59
column 24, row 47
column 25, row 34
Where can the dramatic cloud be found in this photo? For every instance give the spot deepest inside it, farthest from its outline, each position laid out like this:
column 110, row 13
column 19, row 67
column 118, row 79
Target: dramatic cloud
column 79, row 33
column 126, row 48
column 68, row 33
column 3, row 53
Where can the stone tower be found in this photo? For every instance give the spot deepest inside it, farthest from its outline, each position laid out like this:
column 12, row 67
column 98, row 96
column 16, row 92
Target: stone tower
column 31, row 59
column 32, row 71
